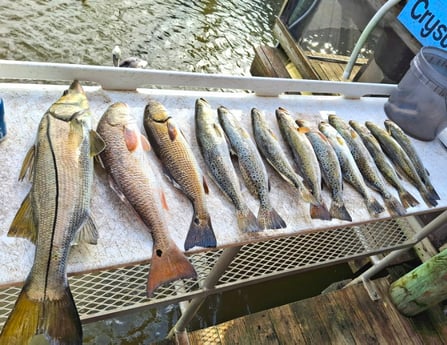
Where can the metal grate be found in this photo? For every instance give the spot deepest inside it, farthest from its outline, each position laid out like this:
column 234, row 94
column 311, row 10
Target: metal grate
column 105, row 293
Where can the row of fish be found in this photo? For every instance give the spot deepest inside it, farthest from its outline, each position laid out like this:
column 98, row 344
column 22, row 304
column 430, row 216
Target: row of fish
column 56, row 212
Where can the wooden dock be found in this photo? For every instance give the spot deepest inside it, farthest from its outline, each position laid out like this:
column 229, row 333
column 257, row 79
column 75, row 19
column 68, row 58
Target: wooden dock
column 347, row 316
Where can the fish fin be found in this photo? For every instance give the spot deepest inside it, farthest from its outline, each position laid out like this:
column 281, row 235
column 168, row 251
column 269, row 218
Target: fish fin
column 320, row 211
column 116, row 189
column 170, row 178
column 164, row 203
column 247, row 221
column 172, row 131
column 97, row 144
column 373, row 206
column 131, row 139
column 23, row 224
column 200, row 234
column 145, row 143
column 429, row 199
column 168, row 265
column 270, row 219
column 57, row 320
column 205, row 185
column 338, row 210
column 306, row 195
column 303, row 130
column 88, row 233
column 394, row 207
column 99, row 161
column 407, row 199
column 28, row 164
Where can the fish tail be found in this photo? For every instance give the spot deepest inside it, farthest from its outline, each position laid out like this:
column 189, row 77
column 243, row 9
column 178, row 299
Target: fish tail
column 55, row 320
column 339, row 211
column 268, row 218
column 394, row 206
column 319, row 211
column 200, row 233
column 307, row 196
column 433, row 192
column 373, row 206
column 167, row 266
column 407, row 199
column 247, row 221
column 429, row 198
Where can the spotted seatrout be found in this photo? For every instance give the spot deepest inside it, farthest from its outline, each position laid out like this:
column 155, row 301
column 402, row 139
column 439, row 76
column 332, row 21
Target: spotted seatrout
column 182, row 169
column 133, row 179
column 305, row 159
column 330, row 169
column 55, row 211
column 398, row 134
column 252, row 168
column 351, row 172
column 271, row 150
column 383, row 164
column 366, row 164
column 216, row 154
column 401, row 160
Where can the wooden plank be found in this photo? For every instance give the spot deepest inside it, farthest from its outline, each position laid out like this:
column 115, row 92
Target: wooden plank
column 269, row 62
column 293, row 51
column 346, row 316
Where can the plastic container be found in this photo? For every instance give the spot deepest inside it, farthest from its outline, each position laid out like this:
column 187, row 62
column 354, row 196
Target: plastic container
column 2, row 121
column 419, row 104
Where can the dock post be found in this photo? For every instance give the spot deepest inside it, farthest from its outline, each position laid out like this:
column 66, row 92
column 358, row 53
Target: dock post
column 179, row 330
column 422, row 288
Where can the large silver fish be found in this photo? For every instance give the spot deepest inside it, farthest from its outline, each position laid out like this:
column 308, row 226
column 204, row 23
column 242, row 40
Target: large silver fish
column 366, row 164
column 401, row 160
column 252, row 168
column 305, row 159
column 271, row 150
column 383, row 164
column 55, row 210
column 351, row 172
column 182, row 169
column 399, row 135
column 133, row 179
column 215, row 151
column 330, row 169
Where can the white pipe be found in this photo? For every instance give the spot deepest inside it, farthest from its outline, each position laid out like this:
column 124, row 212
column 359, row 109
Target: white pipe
column 361, row 41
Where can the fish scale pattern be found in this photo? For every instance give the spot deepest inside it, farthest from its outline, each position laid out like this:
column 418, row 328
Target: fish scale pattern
column 105, row 293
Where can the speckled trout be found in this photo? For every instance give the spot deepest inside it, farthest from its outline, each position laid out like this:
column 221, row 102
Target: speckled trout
column 55, row 210
column 330, row 169
column 401, row 160
column 399, row 135
column 366, row 164
column 271, row 150
column 351, row 172
column 383, row 164
column 181, row 167
column 215, row 151
column 132, row 178
column 252, row 168
column 305, row 159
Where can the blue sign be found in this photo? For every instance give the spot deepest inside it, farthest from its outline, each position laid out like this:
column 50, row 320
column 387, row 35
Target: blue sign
column 427, row 21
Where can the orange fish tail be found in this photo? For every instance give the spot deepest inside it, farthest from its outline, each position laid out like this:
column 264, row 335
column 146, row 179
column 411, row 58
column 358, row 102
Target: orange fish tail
column 319, row 211
column 167, row 266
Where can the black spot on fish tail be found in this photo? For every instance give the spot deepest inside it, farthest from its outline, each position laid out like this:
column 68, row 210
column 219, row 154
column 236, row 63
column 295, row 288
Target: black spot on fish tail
column 200, row 234
column 320, row 211
column 339, row 211
column 270, row 219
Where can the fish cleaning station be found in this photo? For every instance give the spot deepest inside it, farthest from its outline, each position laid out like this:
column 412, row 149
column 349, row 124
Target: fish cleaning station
column 110, row 277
